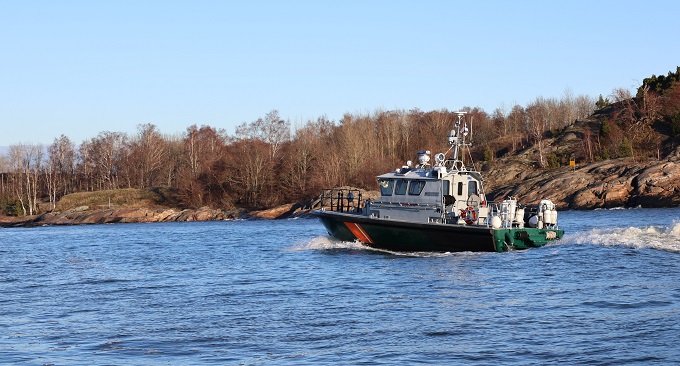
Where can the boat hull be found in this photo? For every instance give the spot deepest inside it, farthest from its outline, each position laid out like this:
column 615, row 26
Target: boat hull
column 398, row 235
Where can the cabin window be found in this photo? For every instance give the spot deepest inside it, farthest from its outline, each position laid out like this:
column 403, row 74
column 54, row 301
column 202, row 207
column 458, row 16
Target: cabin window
column 415, row 187
column 386, row 187
column 460, row 188
column 472, row 188
column 446, row 187
column 400, row 187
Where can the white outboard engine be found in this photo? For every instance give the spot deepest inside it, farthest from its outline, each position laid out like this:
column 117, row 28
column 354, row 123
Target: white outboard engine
column 547, row 214
column 510, row 213
column 519, row 217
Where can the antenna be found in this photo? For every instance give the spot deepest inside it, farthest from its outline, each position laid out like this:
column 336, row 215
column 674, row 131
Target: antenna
column 455, row 136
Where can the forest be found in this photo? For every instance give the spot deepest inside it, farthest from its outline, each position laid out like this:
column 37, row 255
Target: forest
column 268, row 161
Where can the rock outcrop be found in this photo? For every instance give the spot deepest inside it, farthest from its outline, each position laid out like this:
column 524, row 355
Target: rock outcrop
column 606, row 184
column 87, row 215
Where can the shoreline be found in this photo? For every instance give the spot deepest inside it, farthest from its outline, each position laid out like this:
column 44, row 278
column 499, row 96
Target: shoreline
column 622, row 183
column 75, row 217
column 88, row 216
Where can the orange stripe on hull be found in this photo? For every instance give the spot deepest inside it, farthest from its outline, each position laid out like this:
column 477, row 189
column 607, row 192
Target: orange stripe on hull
column 359, row 232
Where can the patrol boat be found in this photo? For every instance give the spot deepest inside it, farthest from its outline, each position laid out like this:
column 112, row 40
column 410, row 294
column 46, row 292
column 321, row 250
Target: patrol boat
column 438, row 207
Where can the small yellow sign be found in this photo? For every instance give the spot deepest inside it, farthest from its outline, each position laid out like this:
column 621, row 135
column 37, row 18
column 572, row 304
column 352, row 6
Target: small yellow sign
column 572, row 162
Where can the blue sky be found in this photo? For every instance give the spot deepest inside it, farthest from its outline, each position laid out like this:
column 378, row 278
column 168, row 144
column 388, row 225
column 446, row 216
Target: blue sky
column 81, row 67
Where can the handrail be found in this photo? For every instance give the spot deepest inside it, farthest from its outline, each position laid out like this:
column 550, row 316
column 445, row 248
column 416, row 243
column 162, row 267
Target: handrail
column 341, row 200
column 405, row 204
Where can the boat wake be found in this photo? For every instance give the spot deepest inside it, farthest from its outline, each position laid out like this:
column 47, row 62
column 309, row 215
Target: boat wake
column 327, row 243
column 653, row 237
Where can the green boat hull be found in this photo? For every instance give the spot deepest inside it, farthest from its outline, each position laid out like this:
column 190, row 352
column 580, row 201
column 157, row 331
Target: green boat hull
column 404, row 236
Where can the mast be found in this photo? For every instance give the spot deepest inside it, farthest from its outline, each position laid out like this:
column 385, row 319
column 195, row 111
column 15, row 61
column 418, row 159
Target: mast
column 458, row 141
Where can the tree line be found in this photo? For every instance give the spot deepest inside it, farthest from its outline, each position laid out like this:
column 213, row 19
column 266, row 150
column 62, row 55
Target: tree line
column 268, row 161
column 645, row 125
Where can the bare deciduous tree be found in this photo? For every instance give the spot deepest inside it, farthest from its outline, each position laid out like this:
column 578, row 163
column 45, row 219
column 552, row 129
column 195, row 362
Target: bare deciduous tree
column 537, row 117
column 26, row 161
column 147, row 154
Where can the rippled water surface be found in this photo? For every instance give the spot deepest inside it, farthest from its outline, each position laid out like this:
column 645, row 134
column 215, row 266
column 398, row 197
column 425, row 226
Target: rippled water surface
column 282, row 292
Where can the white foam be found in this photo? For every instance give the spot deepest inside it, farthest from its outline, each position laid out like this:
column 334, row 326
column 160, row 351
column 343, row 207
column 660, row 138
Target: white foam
column 618, row 208
column 654, row 237
column 326, row 243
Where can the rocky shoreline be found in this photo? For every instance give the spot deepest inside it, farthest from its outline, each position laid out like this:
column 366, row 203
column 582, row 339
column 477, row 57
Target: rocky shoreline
column 86, row 215
column 605, row 184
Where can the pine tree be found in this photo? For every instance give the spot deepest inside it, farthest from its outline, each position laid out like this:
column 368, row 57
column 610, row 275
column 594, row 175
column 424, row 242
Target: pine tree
column 605, row 128
column 625, row 149
column 488, row 154
column 602, row 102
column 675, row 125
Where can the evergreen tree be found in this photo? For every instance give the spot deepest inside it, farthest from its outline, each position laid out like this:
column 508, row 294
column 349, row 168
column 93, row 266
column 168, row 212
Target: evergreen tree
column 625, row 149
column 605, row 128
column 675, row 125
column 602, row 102
column 660, row 83
column 488, row 154
column 553, row 161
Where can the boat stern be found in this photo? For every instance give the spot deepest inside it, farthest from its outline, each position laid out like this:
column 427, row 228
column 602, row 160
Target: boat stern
column 524, row 238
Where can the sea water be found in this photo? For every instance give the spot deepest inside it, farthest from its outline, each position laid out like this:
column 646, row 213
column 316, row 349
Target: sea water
column 284, row 293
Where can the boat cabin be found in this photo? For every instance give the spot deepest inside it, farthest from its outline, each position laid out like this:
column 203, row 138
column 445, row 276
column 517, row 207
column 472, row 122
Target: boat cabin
column 427, row 194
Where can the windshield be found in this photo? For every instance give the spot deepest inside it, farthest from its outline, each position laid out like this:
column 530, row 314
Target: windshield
column 386, row 186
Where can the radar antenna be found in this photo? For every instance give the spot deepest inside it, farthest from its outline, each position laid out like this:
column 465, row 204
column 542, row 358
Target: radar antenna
column 457, row 140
